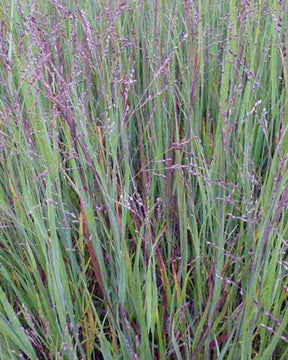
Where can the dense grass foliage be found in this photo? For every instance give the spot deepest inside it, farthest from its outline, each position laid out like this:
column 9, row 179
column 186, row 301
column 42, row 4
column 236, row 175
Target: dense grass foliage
column 143, row 187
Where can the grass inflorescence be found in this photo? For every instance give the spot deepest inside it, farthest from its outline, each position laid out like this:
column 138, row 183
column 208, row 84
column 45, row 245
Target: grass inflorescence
column 143, row 187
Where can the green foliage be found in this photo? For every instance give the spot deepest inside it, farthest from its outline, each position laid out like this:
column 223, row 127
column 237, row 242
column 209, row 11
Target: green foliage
column 143, row 188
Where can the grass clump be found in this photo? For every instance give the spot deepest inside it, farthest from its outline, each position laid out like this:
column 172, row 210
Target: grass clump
column 143, row 189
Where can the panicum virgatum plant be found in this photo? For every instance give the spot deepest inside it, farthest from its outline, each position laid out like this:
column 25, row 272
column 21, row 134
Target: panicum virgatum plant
column 143, row 179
